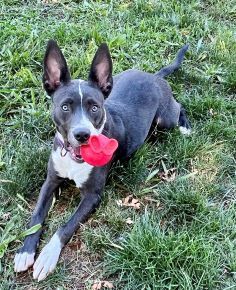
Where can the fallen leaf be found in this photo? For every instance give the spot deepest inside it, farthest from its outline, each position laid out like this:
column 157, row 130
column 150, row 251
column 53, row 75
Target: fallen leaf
column 129, row 221
column 126, row 200
column 97, row 286
column 131, row 202
column 168, row 175
column 135, row 203
column 151, row 175
column 108, row 285
column 162, row 223
column 102, row 284
column 6, row 216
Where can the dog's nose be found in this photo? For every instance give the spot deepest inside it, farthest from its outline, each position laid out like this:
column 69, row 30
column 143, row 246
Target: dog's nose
column 81, row 134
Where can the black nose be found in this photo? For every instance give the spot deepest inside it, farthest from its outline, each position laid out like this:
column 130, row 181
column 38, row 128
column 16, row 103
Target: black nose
column 81, row 134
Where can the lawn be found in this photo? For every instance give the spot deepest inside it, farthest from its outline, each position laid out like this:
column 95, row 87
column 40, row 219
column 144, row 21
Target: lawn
column 181, row 233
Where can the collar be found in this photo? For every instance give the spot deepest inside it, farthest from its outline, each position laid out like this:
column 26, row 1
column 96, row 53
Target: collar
column 64, row 150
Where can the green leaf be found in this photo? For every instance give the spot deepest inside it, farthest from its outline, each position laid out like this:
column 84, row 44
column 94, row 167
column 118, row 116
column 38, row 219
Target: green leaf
column 4, row 244
column 152, row 174
column 30, row 231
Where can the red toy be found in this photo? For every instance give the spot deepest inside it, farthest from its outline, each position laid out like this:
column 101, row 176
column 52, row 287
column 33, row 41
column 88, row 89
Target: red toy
column 99, row 150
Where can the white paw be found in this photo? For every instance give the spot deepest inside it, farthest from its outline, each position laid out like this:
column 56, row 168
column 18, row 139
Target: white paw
column 23, row 261
column 185, row 131
column 47, row 260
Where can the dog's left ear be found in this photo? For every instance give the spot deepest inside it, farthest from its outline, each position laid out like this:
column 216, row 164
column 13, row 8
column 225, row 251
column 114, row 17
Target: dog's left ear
column 101, row 70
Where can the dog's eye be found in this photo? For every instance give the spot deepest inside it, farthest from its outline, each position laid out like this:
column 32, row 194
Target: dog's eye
column 94, row 108
column 65, row 107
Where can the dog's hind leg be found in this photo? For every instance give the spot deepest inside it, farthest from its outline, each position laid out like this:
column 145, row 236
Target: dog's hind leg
column 167, row 115
column 171, row 116
column 184, row 124
column 25, row 256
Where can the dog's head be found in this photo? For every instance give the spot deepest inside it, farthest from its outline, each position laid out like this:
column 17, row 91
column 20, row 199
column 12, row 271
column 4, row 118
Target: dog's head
column 78, row 106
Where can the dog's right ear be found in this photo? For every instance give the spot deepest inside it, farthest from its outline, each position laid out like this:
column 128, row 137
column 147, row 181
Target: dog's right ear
column 56, row 71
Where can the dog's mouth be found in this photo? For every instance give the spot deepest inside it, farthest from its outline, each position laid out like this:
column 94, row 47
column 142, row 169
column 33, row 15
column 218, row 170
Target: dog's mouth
column 75, row 153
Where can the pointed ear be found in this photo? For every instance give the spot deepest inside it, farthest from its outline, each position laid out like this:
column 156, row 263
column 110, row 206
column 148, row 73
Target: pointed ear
column 55, row 68
column 101, row 70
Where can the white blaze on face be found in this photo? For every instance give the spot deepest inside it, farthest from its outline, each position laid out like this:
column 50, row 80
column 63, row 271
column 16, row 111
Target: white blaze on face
column 84, row 122
column 81, row 97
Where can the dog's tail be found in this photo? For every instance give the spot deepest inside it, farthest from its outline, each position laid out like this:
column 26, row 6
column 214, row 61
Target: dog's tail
column 169, row 69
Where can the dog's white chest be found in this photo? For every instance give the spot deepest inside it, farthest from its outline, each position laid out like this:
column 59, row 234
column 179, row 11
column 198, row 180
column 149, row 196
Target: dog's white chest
column 66, row 167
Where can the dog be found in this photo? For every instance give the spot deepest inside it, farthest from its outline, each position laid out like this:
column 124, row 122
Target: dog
column 123, row 107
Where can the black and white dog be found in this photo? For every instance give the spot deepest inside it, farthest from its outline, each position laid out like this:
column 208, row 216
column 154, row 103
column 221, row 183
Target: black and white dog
column 81, row 108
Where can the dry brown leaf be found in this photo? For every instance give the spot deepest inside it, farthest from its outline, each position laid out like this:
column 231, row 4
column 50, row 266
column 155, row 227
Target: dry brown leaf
column 6, row 216
column 101, row 284
column 129, row 201
column 169, row 175
column 162, row 223
column 108, row 285
column 135, row 203
column 129, row 221
column 97, row 286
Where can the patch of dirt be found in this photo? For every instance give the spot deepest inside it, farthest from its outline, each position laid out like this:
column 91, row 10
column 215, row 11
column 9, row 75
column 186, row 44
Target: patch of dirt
column 79, row 267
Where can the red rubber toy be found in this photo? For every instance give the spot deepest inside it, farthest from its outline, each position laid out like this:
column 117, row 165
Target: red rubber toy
column 99, row 150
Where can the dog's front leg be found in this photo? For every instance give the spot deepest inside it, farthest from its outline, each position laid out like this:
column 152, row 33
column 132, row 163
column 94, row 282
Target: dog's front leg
column 47, row 260
column 25, row 256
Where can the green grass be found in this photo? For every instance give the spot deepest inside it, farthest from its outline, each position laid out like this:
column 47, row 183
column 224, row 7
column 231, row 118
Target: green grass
column 155, row 258
column 184, row 235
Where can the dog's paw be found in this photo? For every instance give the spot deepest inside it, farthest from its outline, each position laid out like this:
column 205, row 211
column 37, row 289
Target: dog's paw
column 47, row 260
column 23, row 261
column 185, row 131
